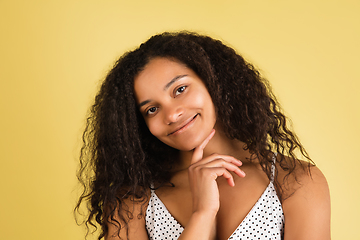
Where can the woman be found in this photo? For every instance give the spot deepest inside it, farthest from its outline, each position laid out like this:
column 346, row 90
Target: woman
column 185, row 122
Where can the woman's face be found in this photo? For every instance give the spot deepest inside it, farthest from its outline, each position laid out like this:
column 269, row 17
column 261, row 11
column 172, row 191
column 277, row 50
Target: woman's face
column 175, row 103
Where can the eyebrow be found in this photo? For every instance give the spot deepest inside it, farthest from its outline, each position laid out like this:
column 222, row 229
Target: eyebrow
column 144, row 103
column 172, row 81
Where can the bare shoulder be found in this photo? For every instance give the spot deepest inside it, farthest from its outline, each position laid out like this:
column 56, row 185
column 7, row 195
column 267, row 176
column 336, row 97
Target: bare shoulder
column 131, row 225
column 306, row 204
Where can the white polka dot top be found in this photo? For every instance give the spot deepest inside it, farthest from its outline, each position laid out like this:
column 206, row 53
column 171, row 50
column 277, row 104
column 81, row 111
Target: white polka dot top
column 264, row 221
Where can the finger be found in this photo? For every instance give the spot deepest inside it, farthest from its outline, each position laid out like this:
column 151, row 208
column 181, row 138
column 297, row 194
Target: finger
column 227, row 165
column 199, row 150
column 215, row 157
column 221, row 172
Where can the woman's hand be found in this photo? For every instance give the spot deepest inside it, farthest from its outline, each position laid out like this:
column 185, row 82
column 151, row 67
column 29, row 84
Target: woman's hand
column 203, row 173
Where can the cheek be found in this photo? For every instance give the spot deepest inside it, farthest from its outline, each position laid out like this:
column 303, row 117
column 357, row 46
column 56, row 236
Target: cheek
column 204, row 102
column 153, row 126
column 196, row 100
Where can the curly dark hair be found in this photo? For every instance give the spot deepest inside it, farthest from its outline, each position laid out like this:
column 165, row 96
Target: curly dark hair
column 120, row 158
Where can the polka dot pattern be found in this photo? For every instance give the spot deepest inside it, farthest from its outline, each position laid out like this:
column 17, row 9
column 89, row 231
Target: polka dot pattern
column 264, row 221
column 160, row 224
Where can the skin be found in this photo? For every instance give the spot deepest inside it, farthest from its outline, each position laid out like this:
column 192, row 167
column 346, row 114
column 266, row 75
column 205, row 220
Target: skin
column 175, row 104
column 215, row 185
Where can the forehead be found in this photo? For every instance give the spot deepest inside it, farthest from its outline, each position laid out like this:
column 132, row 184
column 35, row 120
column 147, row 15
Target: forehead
column 158, row 72
column 159, row 68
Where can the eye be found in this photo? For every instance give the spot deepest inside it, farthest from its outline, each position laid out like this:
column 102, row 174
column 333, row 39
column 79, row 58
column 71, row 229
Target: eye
column 151, row 110
column 180, row 90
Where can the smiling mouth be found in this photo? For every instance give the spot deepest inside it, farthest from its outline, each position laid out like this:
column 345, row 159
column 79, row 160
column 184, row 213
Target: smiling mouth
column 183, row 127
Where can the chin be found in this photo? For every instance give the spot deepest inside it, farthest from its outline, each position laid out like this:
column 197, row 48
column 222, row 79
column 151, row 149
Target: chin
column 188, row 143
column 185, row 148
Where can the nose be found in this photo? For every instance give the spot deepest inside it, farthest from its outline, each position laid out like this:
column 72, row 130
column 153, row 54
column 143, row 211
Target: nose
column 173, row 114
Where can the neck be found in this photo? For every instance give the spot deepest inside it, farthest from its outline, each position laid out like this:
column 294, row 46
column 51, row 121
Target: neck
column 219, row 144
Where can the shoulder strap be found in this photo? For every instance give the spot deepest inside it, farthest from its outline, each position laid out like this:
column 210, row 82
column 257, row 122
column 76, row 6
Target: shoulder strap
column 273, row 168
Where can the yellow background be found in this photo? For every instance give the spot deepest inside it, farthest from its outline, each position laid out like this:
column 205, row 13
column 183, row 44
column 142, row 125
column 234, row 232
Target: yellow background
column 54, row 53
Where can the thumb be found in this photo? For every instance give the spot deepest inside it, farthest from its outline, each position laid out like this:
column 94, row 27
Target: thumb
column 199, row 150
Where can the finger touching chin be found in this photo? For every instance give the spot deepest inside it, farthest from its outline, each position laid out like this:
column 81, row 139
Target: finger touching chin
column 186, row 142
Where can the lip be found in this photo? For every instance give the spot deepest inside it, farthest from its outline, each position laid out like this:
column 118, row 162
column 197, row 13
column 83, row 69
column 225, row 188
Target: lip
column 188, row 123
